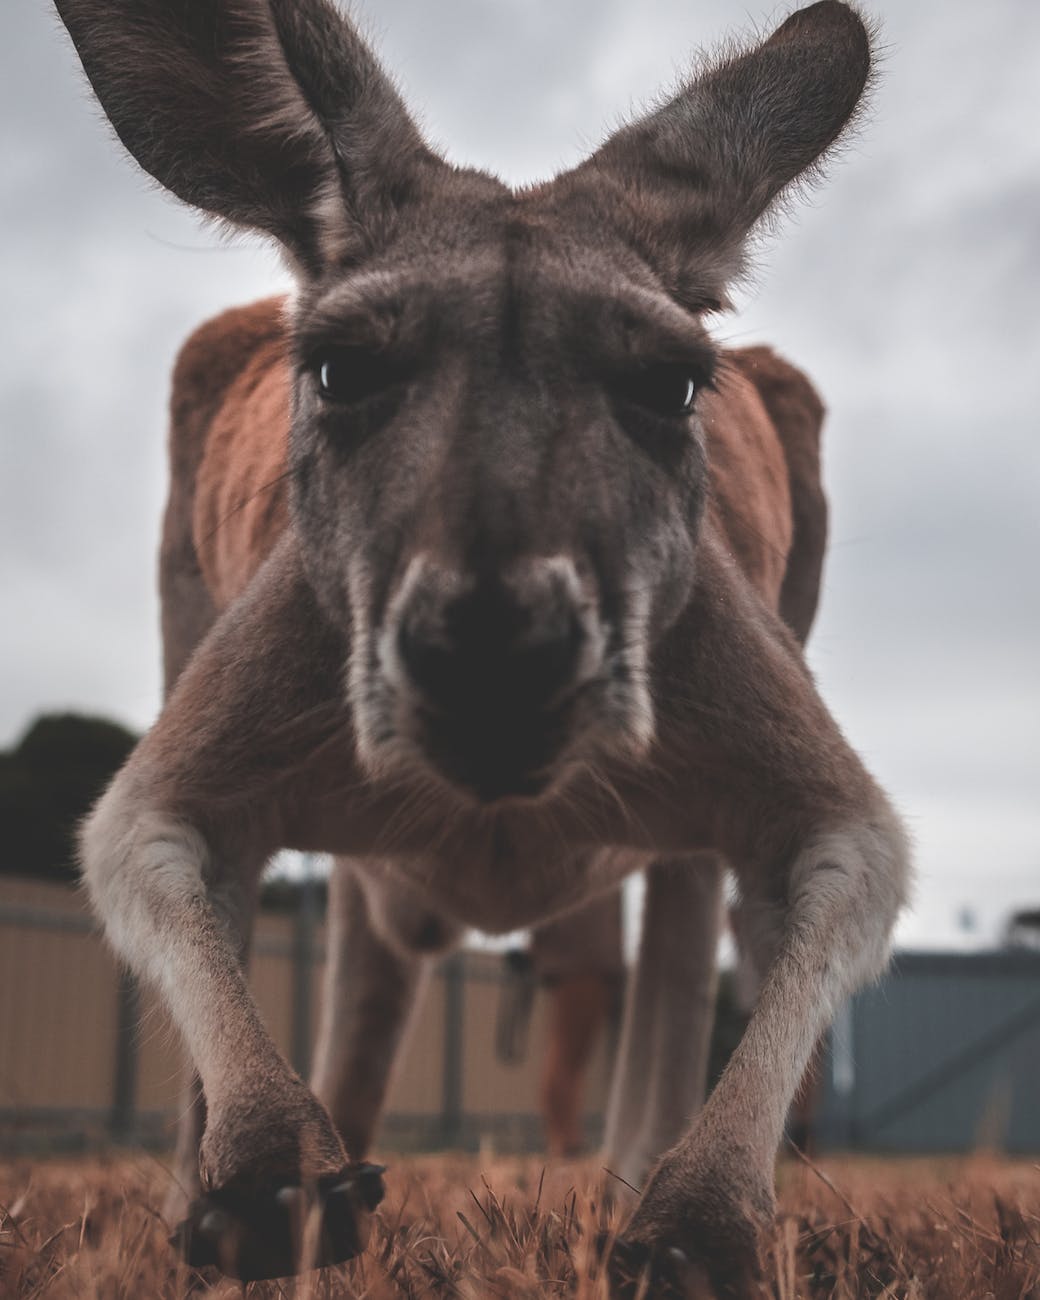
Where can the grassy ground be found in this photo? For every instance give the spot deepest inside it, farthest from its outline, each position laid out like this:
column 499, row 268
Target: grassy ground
column 496, row 1227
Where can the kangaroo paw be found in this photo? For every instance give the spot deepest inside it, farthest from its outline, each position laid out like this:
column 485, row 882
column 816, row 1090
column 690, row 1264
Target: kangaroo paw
column 252, row 1232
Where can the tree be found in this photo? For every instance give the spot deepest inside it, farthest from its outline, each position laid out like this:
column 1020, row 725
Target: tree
column 48, row 783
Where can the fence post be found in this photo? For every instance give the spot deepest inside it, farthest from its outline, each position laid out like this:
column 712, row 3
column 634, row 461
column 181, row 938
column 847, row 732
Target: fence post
column 453, row 975
column 123, row 1120
column 305, row 924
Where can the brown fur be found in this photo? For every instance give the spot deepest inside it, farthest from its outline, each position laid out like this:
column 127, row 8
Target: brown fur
column 578, row 1008
column 763, row 430
column 229, row 440
column 524, row 631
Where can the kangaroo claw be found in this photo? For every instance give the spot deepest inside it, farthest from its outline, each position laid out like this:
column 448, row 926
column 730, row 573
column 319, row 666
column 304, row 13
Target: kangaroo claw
column 258, row 1232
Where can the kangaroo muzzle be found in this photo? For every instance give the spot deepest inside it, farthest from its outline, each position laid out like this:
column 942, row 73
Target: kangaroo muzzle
column 489, row 667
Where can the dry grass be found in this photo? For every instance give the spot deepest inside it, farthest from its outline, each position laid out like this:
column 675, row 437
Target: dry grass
column 461, row 1227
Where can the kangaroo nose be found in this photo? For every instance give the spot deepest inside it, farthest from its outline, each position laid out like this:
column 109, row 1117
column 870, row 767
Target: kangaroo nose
column 494, row 662
column 488, row 654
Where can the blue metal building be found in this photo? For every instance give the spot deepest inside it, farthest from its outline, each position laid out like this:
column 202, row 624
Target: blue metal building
column 942, row 1055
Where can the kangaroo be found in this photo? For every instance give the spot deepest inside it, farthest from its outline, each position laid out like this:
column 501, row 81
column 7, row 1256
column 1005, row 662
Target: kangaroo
column 515, row 626
column 227, row 509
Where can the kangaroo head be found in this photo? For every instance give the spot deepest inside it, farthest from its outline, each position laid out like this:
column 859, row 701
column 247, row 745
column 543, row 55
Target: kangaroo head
column 498, row 472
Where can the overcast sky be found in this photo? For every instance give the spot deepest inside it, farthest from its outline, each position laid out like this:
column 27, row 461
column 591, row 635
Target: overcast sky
column 909, row 288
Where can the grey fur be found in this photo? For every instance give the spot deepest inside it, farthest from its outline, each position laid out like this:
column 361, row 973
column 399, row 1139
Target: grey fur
column 519, row 636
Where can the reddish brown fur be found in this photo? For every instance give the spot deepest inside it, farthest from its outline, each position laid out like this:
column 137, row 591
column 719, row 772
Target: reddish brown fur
column 519, row 639
column 762, row 425
column 578, row 1009
column 229, row 438
column 228, row 446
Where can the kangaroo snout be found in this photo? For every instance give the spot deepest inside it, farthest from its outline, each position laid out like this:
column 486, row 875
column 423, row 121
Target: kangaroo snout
column 491, row 639
column 487, row 667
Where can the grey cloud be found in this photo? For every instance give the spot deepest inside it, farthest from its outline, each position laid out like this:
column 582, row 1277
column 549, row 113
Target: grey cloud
column 906, row 286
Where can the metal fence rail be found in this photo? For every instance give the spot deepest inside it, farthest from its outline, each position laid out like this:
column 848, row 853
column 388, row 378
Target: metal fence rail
column 85, row 1056
column 942, row 1055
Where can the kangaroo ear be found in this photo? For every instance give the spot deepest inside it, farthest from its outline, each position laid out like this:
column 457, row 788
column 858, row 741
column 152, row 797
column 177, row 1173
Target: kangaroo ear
column 689, row 181
column 271, row 114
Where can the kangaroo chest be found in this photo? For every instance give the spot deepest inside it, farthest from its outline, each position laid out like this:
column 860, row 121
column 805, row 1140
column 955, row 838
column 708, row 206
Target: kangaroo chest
column 494, row 873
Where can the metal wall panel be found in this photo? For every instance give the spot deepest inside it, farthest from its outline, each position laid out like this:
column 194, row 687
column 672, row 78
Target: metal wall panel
column 942, row 1055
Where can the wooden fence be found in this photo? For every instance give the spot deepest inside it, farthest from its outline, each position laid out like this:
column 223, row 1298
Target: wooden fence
column 83, row 1057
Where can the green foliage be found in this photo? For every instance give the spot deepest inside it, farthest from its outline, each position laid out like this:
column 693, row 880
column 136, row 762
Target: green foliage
column 48, row 782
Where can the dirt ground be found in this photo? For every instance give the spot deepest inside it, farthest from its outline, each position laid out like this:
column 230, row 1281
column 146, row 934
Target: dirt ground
column 471, row 1227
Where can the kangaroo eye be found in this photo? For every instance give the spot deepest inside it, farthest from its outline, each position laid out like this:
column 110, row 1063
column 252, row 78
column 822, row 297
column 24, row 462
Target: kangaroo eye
column 351, row 375
column 665, row 389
